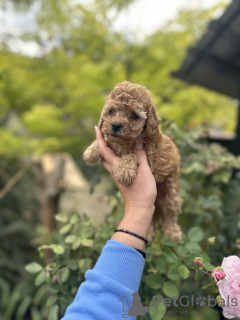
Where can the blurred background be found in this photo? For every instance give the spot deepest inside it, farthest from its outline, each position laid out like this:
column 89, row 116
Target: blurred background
column 59, row 60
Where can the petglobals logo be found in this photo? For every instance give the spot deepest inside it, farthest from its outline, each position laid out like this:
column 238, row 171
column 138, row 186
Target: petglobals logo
column 186, row 301
column 132, row 306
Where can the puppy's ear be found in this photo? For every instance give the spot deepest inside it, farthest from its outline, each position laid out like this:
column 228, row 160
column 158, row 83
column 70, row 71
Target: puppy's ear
column 152, row 122
column 101, row 121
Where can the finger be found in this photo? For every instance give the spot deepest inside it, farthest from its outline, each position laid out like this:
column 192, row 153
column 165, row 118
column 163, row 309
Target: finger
column 140, row 152
column 106, row 152
column 106, row 165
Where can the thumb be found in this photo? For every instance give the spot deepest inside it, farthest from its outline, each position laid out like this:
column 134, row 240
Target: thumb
column 140, row 153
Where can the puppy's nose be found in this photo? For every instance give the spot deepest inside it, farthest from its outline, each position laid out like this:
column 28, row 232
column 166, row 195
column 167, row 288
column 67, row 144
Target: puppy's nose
column 116, row 126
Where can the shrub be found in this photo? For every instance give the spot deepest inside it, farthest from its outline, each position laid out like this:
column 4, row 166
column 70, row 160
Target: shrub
column 210, row 224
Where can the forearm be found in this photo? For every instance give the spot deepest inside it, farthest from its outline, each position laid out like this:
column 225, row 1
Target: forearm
column 117, row 272
column 137, row 220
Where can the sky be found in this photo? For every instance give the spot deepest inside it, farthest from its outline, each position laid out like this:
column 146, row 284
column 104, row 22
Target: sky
column 146, row 16
column 140, row 19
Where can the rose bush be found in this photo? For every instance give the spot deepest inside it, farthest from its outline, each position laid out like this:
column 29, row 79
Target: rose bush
column 210, row 228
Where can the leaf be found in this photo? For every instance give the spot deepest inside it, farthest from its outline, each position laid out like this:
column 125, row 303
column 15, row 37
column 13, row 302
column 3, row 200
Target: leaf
column 85, row 264
column 51, row 300
column 22, row 309
column 184, row 271
column 58, row 249
column 40, row 278
column 170, row 290
column 87, row 251
column 33, row 267
column 189, row 260
column 65, row 229
column 35, row 314
column 5, row 292
column 205, row 257
column 153, row 281
column 63, row 274
column 87, row 232
column 170, row 243
column 173, row 273
column 76, row 243
column 156, row 312
column 169, row 256
column 162, row 265
column 74, row 219
column 155, row 249
column 16, row 296
column 193, row 248
column 206, row 265
column 61, row 217
column 69, row 239
column 181, row 251
column 195, row 234
column 183, row 240
column 40, row 294
column 53, row 312
column 73, row 265
column 215, row 289
column 87, row 242
column 65, row 300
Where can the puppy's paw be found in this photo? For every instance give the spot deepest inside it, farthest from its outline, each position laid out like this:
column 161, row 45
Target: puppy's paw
column 125, row 178
column 173, row 232
column 126, row 171
column 91, row 157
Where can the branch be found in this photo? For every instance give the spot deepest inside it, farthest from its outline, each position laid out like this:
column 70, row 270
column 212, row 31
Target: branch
column 12, row 181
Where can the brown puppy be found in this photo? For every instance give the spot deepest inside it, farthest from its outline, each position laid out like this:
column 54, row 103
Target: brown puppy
column 129, row 117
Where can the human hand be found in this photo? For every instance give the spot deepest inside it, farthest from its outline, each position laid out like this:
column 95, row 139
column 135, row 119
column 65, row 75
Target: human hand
column 138, row 197
column 142, row 192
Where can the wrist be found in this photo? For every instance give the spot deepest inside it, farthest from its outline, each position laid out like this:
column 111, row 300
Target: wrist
column 137, row 220
column 139, row 215
column 129, row 239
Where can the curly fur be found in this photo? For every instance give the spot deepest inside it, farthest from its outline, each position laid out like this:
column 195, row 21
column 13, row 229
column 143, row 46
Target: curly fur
column 162, row 154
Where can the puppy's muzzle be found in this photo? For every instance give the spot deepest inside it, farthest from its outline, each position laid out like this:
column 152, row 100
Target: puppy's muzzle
column 116, row 126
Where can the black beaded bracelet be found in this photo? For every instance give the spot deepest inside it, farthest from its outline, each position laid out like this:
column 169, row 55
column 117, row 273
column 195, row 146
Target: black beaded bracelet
column 133, row 234
column 142, row 252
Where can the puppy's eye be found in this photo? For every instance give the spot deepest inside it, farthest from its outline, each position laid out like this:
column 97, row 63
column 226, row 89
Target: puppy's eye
column 111, row 112
column 134, row 116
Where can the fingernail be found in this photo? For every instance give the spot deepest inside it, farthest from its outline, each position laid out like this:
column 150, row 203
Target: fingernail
column 139, row 146
column 95, row 127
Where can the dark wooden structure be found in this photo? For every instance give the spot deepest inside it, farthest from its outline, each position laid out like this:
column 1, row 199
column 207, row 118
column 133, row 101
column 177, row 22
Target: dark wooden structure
column 214, row 62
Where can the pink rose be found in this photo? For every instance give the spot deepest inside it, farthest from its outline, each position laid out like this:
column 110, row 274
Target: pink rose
column 231, row 265
column 197, row 262
column 218, row 274
column 229, row 287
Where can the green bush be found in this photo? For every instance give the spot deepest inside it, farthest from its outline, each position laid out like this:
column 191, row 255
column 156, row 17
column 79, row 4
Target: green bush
column 211, row 209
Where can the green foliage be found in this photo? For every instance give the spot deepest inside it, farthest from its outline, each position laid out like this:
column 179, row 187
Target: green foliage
column 157, row 311
column 51, row 102
column 169, row 270
column 33, row 267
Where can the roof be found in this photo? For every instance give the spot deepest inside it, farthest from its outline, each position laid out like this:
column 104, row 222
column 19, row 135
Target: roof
column 214, row 62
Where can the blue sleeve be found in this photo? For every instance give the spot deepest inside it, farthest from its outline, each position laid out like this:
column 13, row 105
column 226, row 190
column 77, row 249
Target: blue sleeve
column 106, row 293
